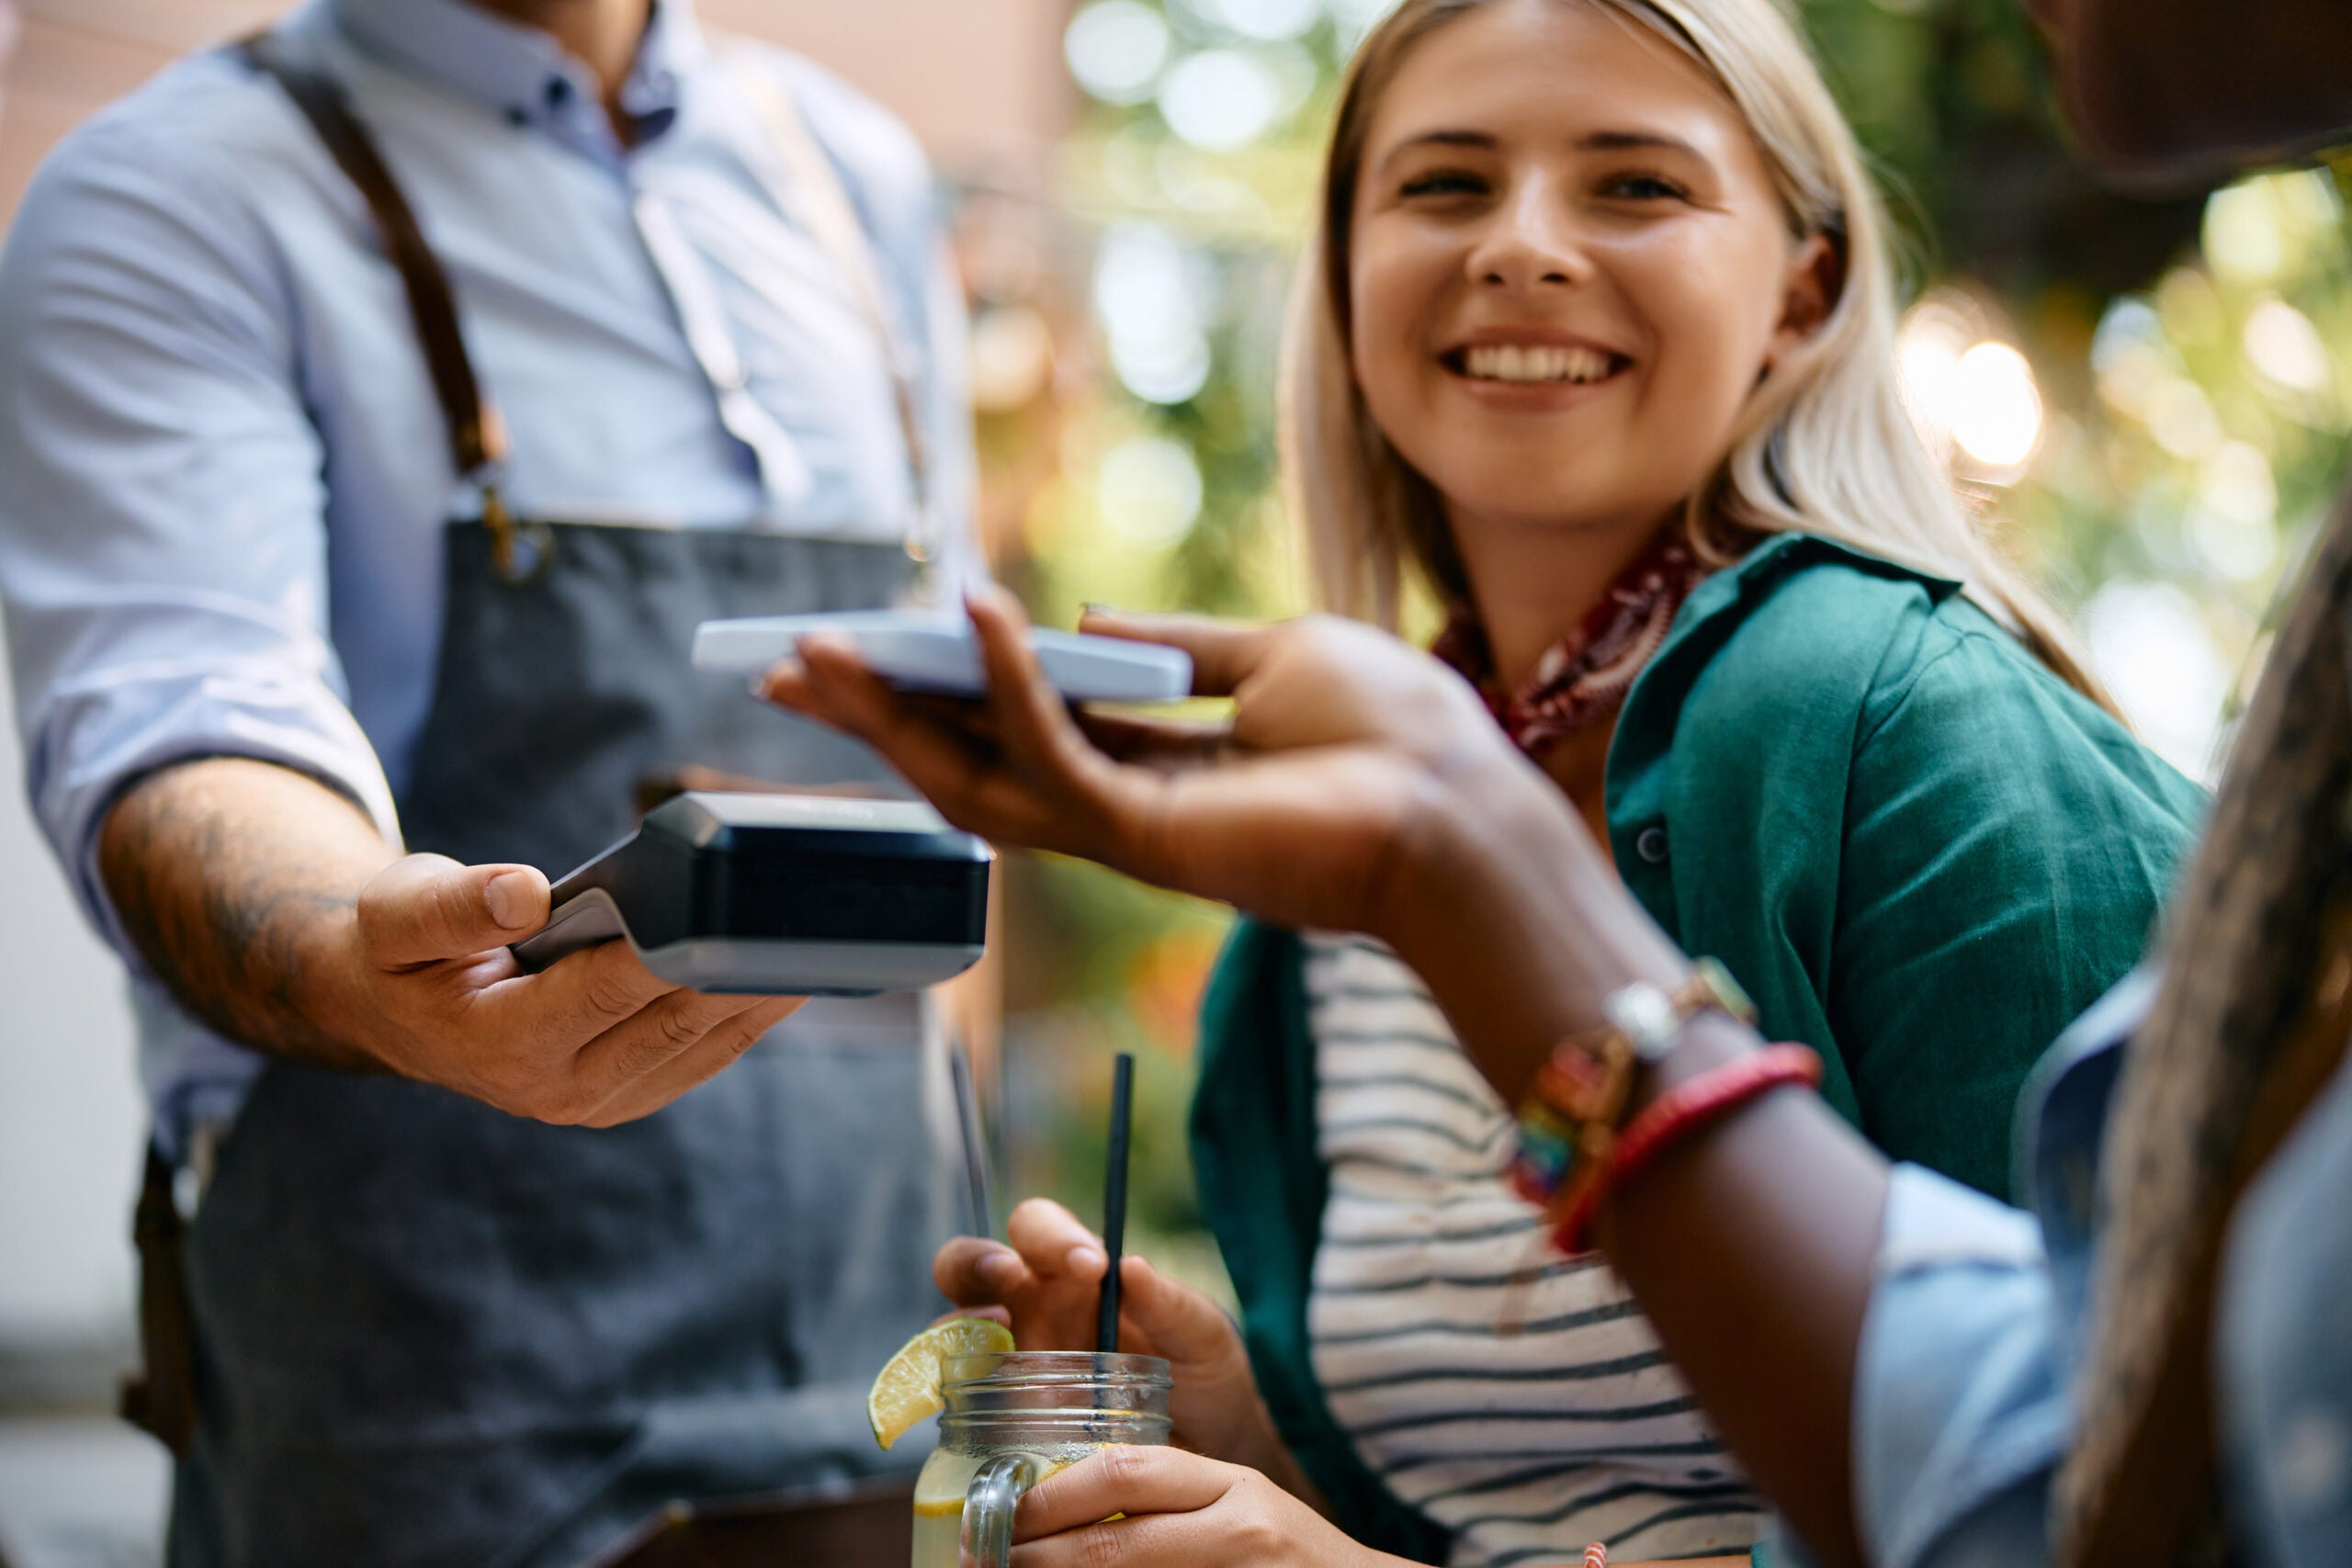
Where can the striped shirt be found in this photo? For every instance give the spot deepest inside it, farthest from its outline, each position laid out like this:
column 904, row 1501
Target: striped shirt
column 1515, row 1397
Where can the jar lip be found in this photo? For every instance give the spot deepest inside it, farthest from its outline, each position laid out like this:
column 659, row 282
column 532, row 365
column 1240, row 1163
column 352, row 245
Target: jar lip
column 1031, row 1369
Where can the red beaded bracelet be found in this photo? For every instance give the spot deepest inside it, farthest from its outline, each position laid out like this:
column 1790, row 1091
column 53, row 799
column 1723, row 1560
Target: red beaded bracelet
column 1675, row 1115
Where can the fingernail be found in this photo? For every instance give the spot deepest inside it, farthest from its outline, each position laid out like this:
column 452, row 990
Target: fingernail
column 997, row 1269
column 510, row 899
column 1096, row 608
column 1086, row 1260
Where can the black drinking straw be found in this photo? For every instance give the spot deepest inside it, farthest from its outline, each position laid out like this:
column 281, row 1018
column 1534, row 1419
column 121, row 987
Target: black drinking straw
column 1114, row 1202
column 973, row 1135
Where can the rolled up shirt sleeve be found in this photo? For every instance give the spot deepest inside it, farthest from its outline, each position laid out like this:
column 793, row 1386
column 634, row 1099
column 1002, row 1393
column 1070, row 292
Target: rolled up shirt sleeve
column 162, row 549
column 1960, row 1405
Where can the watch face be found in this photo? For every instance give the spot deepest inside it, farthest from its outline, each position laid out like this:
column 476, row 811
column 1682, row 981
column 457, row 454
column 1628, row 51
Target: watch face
column 1645, row 1016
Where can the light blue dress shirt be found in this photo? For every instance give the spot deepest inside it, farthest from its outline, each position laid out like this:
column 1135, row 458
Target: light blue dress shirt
column 223, row 475
column 1963, row 1395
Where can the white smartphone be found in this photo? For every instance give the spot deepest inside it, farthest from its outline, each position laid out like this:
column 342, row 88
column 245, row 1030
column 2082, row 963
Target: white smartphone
column 933, row 650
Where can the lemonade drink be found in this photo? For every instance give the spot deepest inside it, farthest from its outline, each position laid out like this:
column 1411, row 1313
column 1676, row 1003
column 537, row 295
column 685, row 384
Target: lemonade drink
column 1050, row 1408
column 939, row 1495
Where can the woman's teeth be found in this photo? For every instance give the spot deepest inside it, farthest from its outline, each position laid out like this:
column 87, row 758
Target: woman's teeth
column 1510, row 362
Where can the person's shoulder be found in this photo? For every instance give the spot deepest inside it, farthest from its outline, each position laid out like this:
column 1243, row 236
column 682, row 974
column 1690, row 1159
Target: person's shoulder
column 208, row 116
column 880, row 156
column 1831, row 594
column 1958, row 650
column 1840, row 625
column 1800, row 623
column 165, row 178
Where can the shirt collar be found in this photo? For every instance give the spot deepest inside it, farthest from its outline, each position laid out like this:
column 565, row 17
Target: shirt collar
column 519, row 72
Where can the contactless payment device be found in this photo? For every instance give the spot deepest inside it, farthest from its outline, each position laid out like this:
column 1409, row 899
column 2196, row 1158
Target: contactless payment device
column 781, row 895
column 925, row 650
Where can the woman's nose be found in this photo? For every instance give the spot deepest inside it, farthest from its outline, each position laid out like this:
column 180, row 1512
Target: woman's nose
column 1529, row 241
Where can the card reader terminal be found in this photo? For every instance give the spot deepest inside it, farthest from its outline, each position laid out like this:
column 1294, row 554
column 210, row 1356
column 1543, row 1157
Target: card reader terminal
column 781, row 895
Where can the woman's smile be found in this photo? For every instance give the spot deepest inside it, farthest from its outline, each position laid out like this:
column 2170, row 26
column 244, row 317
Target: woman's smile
column 1531, row 370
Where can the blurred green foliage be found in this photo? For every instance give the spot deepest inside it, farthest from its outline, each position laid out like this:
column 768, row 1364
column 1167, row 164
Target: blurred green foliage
column 2186, row 353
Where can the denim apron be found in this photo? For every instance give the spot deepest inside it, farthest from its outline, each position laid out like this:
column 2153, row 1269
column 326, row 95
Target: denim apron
column 427, row 1332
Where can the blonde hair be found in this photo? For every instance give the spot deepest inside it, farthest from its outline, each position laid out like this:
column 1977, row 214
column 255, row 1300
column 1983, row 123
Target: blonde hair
column 1824, row 443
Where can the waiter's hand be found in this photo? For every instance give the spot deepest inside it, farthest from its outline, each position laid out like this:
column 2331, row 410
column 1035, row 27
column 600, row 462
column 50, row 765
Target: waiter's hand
column 594, row 1040
column 271, row 908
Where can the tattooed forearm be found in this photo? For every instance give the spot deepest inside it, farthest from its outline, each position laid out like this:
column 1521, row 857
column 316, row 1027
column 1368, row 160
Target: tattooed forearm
column 236, row 878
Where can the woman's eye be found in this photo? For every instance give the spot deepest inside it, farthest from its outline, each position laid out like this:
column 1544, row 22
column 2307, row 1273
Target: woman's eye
column 1643, row 187
column 1443, row 182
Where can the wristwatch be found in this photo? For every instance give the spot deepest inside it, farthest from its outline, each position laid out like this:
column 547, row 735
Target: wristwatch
column 1652, row 1019
column 1567, row 1125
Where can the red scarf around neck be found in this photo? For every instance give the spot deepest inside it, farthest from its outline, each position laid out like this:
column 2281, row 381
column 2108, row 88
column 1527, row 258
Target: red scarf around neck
column 1585, row 676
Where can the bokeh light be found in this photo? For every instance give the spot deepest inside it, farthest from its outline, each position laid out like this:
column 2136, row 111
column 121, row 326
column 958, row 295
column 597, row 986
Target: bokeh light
column 1995, row 407
column 1149, row 302
column 2285, row 348
column 1935, row 333
column 1115, row 49
column 2150, row 645
column 1012, row 358
column 1149, row 490
column 1270, row 21
column 1221, row 99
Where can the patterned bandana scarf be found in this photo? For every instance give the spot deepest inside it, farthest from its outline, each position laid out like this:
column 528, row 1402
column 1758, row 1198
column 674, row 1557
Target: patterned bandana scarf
column 1585, row 676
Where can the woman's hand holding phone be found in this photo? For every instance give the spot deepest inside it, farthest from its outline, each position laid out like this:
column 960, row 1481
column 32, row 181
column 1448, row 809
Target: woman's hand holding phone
column 1347, row 756
column 1358, row 786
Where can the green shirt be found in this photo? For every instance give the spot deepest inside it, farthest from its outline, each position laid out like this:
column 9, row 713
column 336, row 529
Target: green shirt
column 1919, row 852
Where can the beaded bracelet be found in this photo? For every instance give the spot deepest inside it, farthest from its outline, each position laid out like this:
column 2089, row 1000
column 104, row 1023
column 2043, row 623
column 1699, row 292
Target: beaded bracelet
column 1567, row 1123
column 1674, row 1116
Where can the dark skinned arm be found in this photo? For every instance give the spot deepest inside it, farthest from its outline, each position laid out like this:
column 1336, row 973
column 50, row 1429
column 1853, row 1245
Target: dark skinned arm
column 1750, row 1246
column 1360, row 786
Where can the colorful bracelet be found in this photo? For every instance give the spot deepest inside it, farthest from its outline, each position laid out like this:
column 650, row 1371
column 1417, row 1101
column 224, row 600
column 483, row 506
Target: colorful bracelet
column 1567, row 1123
column 1674, row 1116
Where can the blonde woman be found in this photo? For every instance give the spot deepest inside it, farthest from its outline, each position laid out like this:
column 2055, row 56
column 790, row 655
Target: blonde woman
column 1596, row 344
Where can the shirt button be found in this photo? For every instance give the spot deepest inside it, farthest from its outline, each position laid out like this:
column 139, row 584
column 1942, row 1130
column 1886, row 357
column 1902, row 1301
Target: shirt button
column 1651, row 844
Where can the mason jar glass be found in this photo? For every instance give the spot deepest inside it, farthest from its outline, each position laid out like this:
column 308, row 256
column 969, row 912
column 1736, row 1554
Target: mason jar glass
column 1011, row 1421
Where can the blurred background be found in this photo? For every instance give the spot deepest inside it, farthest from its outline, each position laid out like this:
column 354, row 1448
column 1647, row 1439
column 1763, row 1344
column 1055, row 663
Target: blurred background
column 2148, row 397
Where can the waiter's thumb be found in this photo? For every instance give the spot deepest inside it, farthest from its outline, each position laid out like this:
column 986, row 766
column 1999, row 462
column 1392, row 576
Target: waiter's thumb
column 427, row 908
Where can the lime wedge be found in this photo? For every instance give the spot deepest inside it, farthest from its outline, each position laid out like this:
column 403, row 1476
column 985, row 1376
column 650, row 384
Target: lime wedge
column 907, row 1390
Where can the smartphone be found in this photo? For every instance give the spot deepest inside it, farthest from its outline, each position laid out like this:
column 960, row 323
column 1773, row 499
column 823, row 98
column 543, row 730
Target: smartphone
column 936, row 651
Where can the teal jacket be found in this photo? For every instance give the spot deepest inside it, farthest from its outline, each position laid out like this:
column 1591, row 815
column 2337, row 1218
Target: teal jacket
column 1920, row 854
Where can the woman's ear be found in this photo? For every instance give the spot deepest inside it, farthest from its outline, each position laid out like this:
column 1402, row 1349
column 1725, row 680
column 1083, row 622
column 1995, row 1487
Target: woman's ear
column 1809, row 292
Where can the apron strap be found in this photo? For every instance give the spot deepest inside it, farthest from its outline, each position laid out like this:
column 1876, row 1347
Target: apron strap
column 161, row 1400
column 817, row 197
column 519, row 550
column 476, row 439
